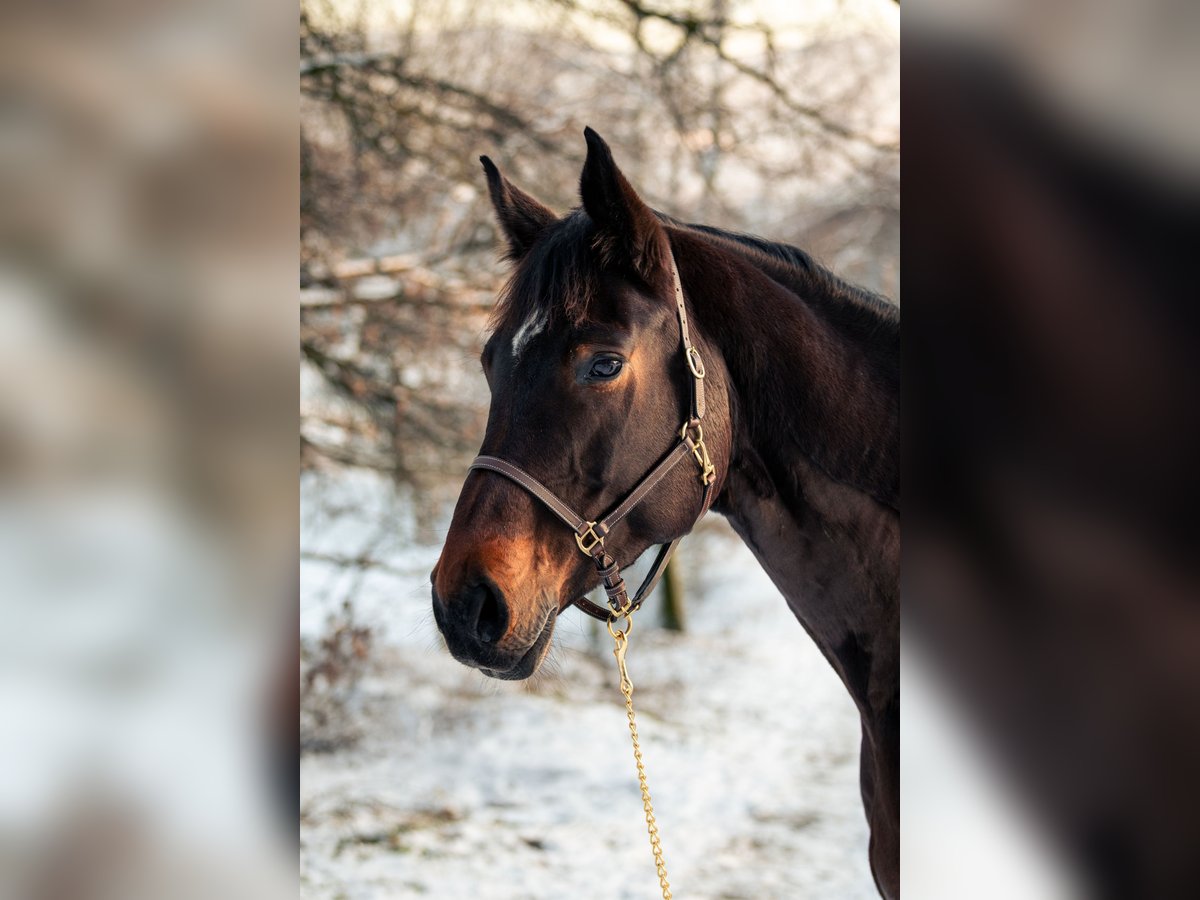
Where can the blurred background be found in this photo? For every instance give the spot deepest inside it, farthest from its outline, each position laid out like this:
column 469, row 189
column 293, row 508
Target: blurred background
column 777, row 118
column 419, row 776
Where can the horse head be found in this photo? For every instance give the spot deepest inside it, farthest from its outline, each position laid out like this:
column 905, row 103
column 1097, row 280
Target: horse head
column 589, row 388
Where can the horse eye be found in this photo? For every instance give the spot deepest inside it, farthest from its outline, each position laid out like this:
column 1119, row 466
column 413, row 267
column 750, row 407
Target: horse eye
column 605, row 367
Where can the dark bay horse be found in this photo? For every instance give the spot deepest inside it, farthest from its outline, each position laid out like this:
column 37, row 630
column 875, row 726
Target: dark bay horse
column 802, row 382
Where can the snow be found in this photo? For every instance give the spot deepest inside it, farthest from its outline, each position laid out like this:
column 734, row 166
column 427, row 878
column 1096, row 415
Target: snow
column 462, row 786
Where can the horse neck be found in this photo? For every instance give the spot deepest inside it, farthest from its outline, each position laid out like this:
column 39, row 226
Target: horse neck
column 812, row 485
column 813, row 370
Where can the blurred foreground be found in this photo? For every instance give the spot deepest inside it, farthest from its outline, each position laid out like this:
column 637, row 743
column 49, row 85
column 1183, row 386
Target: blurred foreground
column 1052, row 342
column 148, row 170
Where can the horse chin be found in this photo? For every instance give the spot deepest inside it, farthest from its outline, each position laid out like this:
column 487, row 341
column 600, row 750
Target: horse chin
column 529, row 663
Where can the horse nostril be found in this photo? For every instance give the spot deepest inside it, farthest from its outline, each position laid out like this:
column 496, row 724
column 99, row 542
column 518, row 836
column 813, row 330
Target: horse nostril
column 493, row 614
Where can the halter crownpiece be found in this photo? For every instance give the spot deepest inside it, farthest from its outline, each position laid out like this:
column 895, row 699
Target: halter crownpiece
column 590, row 534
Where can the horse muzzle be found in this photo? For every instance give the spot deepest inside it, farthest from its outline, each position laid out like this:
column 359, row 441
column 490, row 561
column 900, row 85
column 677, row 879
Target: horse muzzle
column 478, row 627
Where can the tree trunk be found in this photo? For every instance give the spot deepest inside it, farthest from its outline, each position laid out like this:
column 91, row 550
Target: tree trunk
column 673, row 618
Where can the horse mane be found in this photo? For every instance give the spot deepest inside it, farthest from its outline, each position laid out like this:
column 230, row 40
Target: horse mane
column 776, row 253
column 863, row 317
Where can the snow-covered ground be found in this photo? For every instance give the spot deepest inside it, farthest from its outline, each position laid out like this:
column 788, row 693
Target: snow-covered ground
column 466, row 787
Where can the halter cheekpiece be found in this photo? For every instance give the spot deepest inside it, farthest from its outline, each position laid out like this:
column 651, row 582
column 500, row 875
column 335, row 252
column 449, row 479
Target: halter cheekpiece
column 589, row 534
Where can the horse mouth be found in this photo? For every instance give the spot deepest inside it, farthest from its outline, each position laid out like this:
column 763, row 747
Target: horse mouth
column 532, row 658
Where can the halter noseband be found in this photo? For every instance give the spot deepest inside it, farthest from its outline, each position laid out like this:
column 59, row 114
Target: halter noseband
column 590, row 535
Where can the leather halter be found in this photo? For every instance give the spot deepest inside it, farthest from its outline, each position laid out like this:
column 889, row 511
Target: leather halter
column 590, row 535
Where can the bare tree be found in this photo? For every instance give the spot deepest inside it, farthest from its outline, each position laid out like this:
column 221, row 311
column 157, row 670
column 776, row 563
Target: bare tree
column 718, row 117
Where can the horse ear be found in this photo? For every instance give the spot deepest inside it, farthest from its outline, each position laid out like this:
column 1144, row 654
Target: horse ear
column 621, row 215
column 521, row 217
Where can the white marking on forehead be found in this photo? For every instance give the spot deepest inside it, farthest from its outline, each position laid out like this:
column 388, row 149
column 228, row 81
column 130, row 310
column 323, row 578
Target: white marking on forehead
column 533, row 325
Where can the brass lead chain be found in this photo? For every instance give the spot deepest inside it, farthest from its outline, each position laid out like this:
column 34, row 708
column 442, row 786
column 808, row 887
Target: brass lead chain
column 621, row 637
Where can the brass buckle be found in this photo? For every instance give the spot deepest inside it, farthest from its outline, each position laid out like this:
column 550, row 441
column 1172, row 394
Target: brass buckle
column 624, row 611
column 595, row 539
column 695, row 363
column 708, row 473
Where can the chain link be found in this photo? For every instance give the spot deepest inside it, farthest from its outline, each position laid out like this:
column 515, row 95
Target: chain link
column 621, row 638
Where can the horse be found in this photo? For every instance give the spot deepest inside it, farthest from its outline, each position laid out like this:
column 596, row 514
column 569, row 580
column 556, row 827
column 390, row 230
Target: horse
column 800, row 378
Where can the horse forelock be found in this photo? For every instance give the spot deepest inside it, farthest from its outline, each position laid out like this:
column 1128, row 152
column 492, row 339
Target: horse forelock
column 555, row 282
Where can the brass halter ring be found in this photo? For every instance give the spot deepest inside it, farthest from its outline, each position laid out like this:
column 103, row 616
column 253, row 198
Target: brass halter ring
column 695, row 363
column 620, row 633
